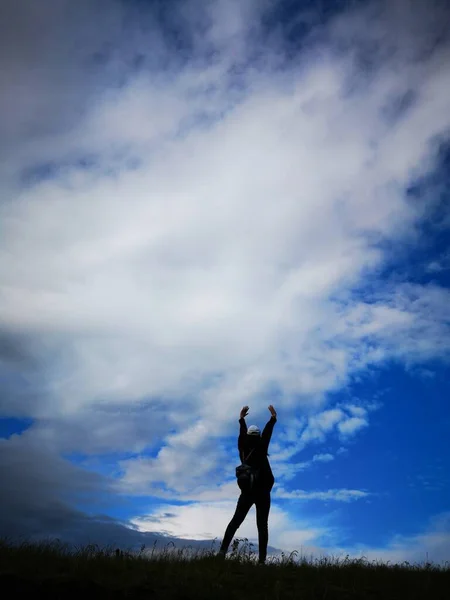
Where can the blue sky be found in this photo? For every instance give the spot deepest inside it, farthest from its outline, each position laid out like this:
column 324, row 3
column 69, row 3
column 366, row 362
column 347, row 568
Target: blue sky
column 208, row 205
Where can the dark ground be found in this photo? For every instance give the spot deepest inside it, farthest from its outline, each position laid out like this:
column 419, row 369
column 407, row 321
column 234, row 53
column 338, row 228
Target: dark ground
column 54, row 571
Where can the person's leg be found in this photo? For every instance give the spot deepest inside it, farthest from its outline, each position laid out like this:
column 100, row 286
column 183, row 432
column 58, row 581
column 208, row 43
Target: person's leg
column 262, row 502
column 243, row 506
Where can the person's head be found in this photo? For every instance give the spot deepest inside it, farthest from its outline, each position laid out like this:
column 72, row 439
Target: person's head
column 254, row 431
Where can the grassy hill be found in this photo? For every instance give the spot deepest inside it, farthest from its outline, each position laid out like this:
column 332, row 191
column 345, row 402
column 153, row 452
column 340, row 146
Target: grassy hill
column 52, row 570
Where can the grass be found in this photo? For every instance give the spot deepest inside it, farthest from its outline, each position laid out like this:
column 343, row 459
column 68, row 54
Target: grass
column 53, row 570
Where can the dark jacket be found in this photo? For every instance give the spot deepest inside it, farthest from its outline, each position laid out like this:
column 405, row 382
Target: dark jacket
column 258, row 458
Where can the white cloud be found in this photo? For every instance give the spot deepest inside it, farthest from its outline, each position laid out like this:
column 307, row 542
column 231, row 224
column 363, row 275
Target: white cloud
column 323, row 457
column 195, row 521
column 180, row 468
column 340, row 495
column 435, row 267
column 208, row 520
column 356, row 411
column 321, row 424
column 352, row 425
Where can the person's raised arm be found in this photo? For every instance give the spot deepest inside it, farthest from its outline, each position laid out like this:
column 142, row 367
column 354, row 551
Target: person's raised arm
column 267, row 431
column 242, row 429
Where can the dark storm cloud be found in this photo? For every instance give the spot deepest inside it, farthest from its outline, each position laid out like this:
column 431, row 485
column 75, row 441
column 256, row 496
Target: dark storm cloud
column 120, row 428
column 56, row 58
column 36, row 484
column 21, row 373
column 38, row 496
column 43, row 47
column 13, row 349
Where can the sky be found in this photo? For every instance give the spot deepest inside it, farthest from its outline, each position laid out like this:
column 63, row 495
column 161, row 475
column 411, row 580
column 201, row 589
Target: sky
column 217, row 203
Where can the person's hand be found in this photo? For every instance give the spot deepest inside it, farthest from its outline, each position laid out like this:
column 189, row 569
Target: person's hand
column 273, row 412
column 244, row 412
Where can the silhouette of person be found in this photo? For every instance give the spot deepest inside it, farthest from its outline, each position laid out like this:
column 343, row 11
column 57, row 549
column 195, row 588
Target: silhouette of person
column 252, row 441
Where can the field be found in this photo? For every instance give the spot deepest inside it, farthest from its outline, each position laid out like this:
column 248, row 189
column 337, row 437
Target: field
column 52, row 570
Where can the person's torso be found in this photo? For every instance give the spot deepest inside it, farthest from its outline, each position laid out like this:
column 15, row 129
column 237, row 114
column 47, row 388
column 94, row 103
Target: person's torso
column 255, row 456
